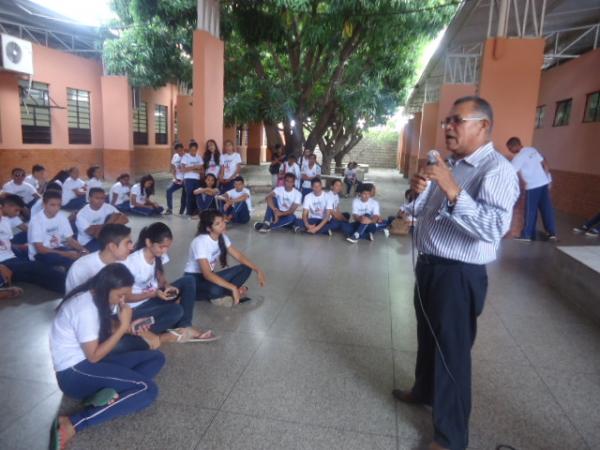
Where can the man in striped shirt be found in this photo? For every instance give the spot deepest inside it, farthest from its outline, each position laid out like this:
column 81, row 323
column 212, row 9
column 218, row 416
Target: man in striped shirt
column 464, row 208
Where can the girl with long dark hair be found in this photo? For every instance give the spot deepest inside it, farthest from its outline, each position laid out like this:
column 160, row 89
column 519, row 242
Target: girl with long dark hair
column 212, row 158
column 83, row 335
column 206, row 194
column 209, row 249
column 170, row 304
column 140, row 198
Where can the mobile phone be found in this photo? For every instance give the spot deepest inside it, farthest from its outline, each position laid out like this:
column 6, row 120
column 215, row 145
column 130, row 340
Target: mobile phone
column 143, row 322
column 245, row 299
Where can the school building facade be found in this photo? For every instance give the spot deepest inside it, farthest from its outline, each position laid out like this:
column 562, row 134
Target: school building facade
column 538, row 63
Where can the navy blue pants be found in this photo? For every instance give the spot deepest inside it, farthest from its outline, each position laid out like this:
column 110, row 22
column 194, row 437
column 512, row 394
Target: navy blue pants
column 147, row 211
column 75, row 204
column 204, row 202
column 54, row 259
column 124, row 207
column 363, row 230
column 35, row 272
column 191, row 184
column 452, row 294
column 300, row 223
column 130, row 374
column 538, row 199
column 239, row 211
column 170, row 190
column 205, row 290
column 226, row 186
column 286, row 221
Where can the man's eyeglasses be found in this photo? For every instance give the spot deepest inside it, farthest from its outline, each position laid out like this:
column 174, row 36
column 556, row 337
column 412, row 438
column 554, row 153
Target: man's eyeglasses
column 19, row 175
column 457, row 120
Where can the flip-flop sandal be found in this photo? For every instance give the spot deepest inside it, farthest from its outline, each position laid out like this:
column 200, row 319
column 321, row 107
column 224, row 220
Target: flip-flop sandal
column 180, row 336
column 245, row 289
column 13, row 291
column 56, row 442
column 207, row 336
column 103, row 397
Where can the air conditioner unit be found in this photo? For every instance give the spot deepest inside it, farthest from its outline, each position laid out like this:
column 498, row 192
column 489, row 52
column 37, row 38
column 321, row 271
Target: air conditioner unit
column 17, row 54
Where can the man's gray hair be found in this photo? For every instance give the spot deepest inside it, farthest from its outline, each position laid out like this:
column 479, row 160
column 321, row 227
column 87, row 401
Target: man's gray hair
column 481, row 105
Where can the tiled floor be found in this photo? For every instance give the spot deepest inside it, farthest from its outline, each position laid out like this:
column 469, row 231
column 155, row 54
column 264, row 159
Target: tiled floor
column 311, row 362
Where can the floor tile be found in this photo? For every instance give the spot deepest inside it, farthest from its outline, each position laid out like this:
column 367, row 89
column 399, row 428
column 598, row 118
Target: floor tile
column 18, row 397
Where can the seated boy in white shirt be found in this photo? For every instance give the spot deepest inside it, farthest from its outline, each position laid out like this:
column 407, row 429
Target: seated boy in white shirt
column 365, row 215
column 92, row 217
column 115, row 246
column 119, row 193
column 314, row 215
column 18, row 187
column 50, row 235
column 237, row 203
column 73, row 191
column 37, row 178
column 282, row 203
column 337, row 218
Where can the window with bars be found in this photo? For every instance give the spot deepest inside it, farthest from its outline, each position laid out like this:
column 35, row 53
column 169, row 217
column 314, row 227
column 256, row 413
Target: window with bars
column 592, row 107
column 35, row 112
column 563, row 113
column 160, row 124
column 140, row 125
column 539, row 116
column 78, row 105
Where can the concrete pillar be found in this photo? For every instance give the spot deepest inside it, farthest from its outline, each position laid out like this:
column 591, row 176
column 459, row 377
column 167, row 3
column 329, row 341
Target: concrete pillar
column 449, row 93
column 429, row 128
column 415, row 134
column 117, row 121
column 208, row 88
column 185, row 119
column 257, row 148
column 510, row 81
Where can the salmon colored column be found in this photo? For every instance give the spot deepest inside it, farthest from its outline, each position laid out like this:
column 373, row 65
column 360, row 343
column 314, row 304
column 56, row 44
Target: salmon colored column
column 117, row 118
column 429, row 127
column 257, row 149
column 208, row 85
column 414, row 139
column 510, row 80
column 185, row 119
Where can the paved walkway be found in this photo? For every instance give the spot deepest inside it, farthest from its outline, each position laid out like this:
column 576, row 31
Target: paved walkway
column 312, row 361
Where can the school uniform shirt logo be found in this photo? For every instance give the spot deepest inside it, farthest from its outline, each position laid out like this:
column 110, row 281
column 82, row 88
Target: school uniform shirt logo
column 55, row 238
column 214, row 258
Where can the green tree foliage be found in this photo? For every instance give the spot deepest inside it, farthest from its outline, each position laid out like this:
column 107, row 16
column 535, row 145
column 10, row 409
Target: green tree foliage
column 325, row 69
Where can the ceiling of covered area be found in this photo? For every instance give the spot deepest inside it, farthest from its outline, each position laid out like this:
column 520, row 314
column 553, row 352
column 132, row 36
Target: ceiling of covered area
column 570, row 27
column 31, row 21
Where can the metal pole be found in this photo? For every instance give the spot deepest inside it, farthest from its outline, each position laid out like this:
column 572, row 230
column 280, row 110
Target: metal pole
column 490, row 18
column 503, row 18
column 525, row 16
column 542, row 17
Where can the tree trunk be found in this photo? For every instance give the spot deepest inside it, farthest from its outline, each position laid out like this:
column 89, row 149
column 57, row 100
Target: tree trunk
column 273, row 135
column 338, row 162
column 294, row 138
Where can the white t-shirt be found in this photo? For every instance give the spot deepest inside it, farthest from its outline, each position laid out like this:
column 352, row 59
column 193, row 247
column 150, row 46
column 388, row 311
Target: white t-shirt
column 143, row 272
column 529, row 163
column 67, row 189
column 82, row 270
column 14, row 224
column 350, row 174
column 122, row 192
column 230, row 162
column 295, row 169
column 312, row 172
column 139, row 195
column 234, row 195
column 5, row 236
column 286, row 199
column 370, row 207
column 188, row 160
column 37, row 207
column 176, row 162
column 204, row 247
column 92, row 183
column 333, row 200
column 30, row 179
column 212, row 166
column 316, row 206
column 86, row 217
column 24, row 190
column 76, row 322
column 50, row 232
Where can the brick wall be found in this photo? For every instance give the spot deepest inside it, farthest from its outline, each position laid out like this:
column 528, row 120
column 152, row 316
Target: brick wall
column 375, row 149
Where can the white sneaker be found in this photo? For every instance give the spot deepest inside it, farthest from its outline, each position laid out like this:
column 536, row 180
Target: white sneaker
column 351, row 239
column 226, row 302
column 329, row 232
column 371, row 237
column 386, row 232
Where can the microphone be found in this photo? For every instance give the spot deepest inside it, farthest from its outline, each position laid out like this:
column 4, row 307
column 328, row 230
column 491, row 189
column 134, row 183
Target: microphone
column 432, row 157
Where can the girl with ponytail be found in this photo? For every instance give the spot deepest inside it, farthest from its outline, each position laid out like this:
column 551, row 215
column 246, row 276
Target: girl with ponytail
column 207, row 263
column 170, row 304
column 82, row 342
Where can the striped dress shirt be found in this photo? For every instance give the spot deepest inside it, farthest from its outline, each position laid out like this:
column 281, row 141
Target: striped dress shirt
column 471, row 229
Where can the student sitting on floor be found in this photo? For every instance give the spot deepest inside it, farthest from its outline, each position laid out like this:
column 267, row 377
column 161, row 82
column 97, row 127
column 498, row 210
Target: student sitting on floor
column 20, row 267
column 13, row 209
column 337, row 218
column 365, row 213
column 39, row 203
column 209, row 247
column 290, row 166
column 73, row 191
column 314, row 211
column 115, row 246
column 350, row 176
column 83, row 336
column 309, row 172
column 37, row 178
column 50, row 235
column 94, row 174
column 17, row 186
column 171, row 304
column 92, row 217
column 206, row 194
column 382, row 224
column 282, row 203
column 231, row 164
column 177, row 181
column 140, row 198
column 119, row 193
column 237, row 203
column 192, row 168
